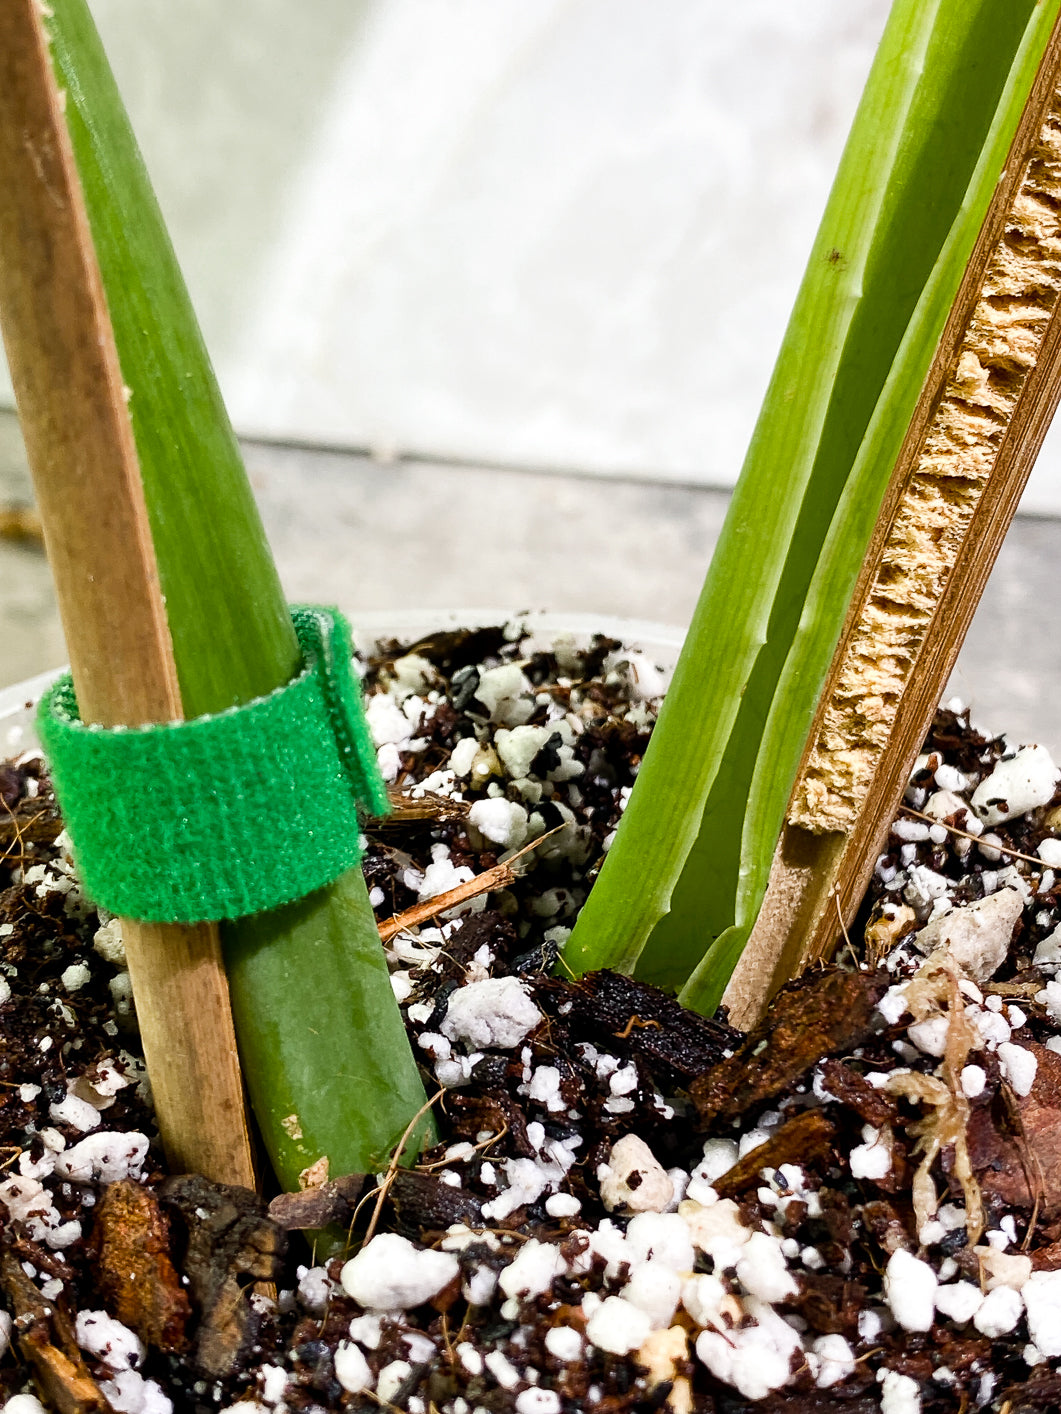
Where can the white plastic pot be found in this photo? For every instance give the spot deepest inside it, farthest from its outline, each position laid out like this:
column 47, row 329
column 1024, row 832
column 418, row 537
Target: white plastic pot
column 661, row 643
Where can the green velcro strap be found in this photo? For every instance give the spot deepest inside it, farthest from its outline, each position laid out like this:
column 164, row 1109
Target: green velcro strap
column 227, row 814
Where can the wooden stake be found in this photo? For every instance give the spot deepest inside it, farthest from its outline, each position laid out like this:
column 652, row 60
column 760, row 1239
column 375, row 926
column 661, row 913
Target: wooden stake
column 987, row 403
column 68, row 386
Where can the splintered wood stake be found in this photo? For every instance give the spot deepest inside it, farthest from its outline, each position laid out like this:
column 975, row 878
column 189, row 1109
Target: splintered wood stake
column 981, row 419
column 64, row 367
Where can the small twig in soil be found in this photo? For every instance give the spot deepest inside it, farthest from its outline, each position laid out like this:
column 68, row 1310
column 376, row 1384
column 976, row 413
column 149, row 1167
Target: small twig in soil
column 416, row 810
column 477, row 1149
column 506, row 1233
column 496, row 878
column 447, row 1341
column 9, row 854
column 843, row 929
column 1029, row 1160
column 392, row 1168
column 561, row 963
column 635, row 1021
column 487, row 882
column 976, row 839
column 1028, row 990
column 18, row 836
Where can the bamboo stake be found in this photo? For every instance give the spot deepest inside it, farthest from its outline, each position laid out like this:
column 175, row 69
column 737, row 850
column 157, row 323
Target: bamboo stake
column 68, row 386
column 983, row 413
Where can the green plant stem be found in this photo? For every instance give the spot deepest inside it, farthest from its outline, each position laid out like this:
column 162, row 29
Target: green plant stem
column 684, row 878
column 853, row 524
column 322, row 1039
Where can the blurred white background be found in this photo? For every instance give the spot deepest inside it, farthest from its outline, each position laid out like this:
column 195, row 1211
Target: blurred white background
column 551, row 234
column 432, row 238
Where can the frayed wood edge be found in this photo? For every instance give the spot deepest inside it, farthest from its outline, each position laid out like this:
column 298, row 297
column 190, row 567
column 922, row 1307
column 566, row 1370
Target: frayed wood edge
column 986, row 406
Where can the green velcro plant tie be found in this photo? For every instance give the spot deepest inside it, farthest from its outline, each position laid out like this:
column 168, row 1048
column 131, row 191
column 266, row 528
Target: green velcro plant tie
column 228, row 814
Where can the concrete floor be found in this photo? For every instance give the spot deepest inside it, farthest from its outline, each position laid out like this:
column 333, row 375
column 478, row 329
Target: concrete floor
column 348, row 530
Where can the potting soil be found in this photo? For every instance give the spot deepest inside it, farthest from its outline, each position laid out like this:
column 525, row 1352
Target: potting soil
column 631, row 1208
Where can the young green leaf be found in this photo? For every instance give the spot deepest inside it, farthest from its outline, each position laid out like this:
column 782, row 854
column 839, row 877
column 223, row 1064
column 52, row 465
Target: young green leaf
column 684, row 879
column 329, row 1067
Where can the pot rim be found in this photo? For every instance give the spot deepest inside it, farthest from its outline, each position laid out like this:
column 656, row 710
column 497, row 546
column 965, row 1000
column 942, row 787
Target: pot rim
column 18, row 702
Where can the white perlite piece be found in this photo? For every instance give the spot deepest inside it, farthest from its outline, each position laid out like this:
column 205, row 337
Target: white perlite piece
column 899, row 1393
column 79, row 1114
column 893, row 1005
column 830, row 1360
column 719, row 1157
column 412, row 674
column 501, row 821
column 273, row 1382
column 1018, row 785
column 873, row 1157
column 617, row 1326
column 391, row 1379
column 538, row 1401
column 959, row 1300
column 108, row 943
column 562, row 1205
column 536, row 1266
column 703, row 1296
column 315, row 1289
column 352, row 1369
column 99, row 1084
column 1018, row 1066
column 999, row 1312
column 717, row 1230
column 470, row 1358
column 1050, row 998
column 104, row 1158
column 390, row 1273
column 762, row 1270
column 387, row 722
column 130, row 1393
column 563, row 1343
column 1042, row 1300
column 518, row 748
column 507, row 695
column 633, row 1179
column 930, row 1035
column 977, row 936
column 647, row 682
column 655, row 1289
column 1048, row 952
column 108, row 1340
column 28, row 1201
column 441, row 874
column 754, row 1359
column 662, row 1235
column 502, row 1369
column 75, row 976
column 910, row 1290
column 463, row 755
column 973, row 1079
column 496, row 1013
